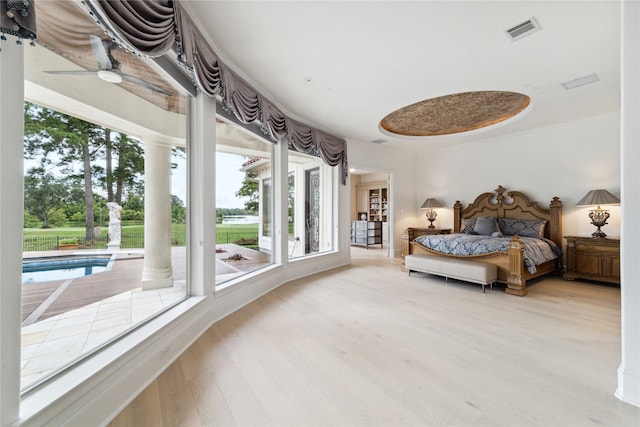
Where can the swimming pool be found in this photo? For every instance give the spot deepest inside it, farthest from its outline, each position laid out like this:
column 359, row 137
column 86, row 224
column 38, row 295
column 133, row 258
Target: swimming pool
column 35, row 270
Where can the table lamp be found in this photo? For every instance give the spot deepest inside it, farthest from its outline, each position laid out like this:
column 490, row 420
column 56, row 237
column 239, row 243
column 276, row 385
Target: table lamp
column 430, row 204
column 598, row 215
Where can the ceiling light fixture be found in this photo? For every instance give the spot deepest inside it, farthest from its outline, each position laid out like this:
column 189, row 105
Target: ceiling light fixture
column 581, row 81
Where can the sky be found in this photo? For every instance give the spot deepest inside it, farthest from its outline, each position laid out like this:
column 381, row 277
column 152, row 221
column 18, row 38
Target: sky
column 228, row 179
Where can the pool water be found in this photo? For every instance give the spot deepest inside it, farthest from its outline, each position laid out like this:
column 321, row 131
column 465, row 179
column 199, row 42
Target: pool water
column 37, row 270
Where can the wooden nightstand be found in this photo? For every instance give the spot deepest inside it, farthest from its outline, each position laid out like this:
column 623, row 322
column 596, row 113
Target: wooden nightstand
column 411, row 233
column 593, row 259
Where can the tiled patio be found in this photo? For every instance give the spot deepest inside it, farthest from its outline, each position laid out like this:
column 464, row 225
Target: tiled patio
column 64, row 319
column 52, row 343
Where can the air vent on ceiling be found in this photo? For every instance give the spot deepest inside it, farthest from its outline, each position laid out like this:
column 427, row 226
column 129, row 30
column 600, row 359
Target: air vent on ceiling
column 524, row 29
column 379, row 141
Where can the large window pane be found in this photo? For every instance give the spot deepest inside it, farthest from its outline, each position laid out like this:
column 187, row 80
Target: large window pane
column 244, row 202
column 105, row 193
column 310, row 201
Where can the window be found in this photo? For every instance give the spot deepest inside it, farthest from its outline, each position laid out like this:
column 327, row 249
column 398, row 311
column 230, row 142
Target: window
column 291, row 205
column 244, row 202
column 105, row 193
column 310, row 202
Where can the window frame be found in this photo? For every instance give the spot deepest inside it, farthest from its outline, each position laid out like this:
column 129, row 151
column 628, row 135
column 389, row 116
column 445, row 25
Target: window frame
column 94, row 389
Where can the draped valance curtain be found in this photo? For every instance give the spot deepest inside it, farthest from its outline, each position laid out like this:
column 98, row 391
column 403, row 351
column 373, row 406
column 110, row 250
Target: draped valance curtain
column 18, row 18
column 152, row 28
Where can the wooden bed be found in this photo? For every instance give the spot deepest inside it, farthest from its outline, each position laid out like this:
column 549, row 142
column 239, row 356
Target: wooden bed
column 511, row 205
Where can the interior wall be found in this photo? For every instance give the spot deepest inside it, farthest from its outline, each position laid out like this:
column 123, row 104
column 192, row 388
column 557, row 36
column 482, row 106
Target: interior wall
column 354, row 180
column 629, row 370
column 373, row 177
column 564, row 161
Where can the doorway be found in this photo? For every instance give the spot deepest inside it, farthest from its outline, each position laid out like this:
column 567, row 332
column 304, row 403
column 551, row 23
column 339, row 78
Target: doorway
column 372, row 201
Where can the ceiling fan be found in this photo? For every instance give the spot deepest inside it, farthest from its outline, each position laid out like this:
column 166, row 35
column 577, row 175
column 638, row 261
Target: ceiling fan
column 109, row 68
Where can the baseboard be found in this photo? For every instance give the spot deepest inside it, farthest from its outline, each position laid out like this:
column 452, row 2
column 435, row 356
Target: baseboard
column 628, row 386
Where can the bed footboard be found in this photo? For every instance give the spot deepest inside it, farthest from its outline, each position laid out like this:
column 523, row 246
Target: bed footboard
column 511, row 270
column 516, row 283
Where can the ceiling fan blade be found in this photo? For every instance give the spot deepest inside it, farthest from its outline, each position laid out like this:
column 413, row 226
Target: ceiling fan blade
column 73, row 72
column 100, row 52
column 145, row 83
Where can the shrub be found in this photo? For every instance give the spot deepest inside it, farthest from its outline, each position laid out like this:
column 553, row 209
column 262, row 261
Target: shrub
column 30, row 221
column 57, row 219
column 128, row 214
column 243, row 241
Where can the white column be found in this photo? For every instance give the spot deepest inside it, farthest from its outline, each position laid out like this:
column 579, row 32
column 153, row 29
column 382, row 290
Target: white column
column 158, row 270
column 11, row 218
column 629, row 371
column 201, row 200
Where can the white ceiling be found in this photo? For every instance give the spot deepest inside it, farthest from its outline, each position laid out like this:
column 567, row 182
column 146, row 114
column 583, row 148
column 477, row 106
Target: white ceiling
column 369, row 58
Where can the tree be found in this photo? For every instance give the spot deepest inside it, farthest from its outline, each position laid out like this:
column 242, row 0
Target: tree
column 178, row 211
column 62, row 140
column 108, row 147
column 291, row 200
column 74, row 208
column 128, row 172
column 44, row 194
column 250, row 189
column 124, row 166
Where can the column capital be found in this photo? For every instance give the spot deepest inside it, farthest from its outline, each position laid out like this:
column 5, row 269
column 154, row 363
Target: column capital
column 161, row 140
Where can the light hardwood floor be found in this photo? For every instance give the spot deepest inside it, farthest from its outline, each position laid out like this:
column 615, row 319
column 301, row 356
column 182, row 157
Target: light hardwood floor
column 367, row 345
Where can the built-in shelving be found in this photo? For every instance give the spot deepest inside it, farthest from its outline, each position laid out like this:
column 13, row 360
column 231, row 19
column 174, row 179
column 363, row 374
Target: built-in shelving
column 378, row 204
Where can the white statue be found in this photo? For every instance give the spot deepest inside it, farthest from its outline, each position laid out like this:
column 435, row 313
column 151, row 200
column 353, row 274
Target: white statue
column 115, row 225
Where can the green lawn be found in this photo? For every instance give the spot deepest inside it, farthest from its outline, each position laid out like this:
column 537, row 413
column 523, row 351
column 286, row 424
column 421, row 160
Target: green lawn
column 133, row 235
column 79, row 231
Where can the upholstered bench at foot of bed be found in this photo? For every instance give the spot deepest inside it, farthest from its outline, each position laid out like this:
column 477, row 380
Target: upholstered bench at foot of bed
column 467, row 270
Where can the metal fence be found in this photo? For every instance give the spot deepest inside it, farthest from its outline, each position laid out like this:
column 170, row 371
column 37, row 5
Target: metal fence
column 128, row 241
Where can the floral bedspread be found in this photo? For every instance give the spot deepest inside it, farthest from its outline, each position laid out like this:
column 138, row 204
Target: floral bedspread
column 536, row 251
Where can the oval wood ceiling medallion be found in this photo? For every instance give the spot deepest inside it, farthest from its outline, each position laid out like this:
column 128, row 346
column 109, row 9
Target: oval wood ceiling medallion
column 460, row 112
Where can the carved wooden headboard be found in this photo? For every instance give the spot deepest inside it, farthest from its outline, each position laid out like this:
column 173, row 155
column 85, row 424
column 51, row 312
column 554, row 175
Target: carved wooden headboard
column 514, row 205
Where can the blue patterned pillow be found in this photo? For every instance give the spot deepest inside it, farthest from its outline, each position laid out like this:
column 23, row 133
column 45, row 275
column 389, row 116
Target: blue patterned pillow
column 521, row 227
column 467, row 224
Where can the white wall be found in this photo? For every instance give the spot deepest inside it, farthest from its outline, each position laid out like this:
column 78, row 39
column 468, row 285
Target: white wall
column 354, row 180
column 565, row 161
column 373, row 177
column 629, row 370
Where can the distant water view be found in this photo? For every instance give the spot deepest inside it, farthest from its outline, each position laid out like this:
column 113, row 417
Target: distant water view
column 240, row 219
